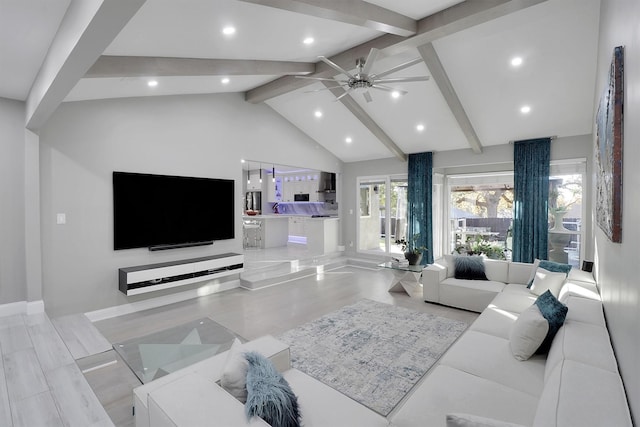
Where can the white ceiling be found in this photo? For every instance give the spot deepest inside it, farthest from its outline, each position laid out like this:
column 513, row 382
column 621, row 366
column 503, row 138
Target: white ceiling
column 557, row 40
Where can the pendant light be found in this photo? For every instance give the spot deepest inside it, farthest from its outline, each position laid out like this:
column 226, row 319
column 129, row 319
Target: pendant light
column 248, row 173
column 273, row 173
column 260, row 173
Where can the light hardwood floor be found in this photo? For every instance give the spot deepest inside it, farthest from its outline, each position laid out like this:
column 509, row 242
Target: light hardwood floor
column 40, row 384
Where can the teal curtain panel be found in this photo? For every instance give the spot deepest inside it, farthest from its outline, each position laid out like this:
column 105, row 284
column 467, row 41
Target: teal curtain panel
column 531, row 186
column 420, row 204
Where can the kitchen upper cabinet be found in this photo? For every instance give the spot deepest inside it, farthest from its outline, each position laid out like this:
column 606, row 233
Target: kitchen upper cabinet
column 254, row 183
column 300, row 184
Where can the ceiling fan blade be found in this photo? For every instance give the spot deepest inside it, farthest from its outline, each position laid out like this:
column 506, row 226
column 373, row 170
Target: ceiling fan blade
column 346, row 92
column 324, row 88
column 389, row 89
column 403, row 80
column 371, row 58
column 397, row 68
column 316, row 78
column 367, row 96
column 336, row 66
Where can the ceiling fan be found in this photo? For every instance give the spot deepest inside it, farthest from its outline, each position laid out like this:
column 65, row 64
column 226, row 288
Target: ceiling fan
column 363, row 80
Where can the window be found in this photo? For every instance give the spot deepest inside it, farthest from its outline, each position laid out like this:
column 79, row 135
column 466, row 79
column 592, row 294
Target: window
column 566, row 211
column 481, row 212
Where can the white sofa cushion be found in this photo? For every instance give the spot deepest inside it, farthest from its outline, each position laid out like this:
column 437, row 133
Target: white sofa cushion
column 545, row 280
column 496, row 270
column 576, row 394
column 489, row 357
column 522, row 272
column 474, row 295
column 495, row 321
column 579, row 283
column 585, row 310
column 450, row 264
column 527, row 333
column 583, row 338
column 447, row 390
column 322, row 406
column 516, row 300
column 193, row 400
column 468, row 420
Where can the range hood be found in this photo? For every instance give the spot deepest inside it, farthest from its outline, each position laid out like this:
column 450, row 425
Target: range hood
column 327, row 182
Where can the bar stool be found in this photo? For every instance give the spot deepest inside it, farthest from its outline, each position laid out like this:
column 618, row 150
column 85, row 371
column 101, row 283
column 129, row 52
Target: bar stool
column 252, row 233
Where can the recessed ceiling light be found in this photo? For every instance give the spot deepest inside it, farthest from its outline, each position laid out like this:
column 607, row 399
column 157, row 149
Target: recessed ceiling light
column 228, row 31
column 348, row 140
column 318, row 113
column 395, row 94
column 152, row 83
column 516, row 61
column 308, row 40
column 525, row 109
column 420, row 127
column 225, row 80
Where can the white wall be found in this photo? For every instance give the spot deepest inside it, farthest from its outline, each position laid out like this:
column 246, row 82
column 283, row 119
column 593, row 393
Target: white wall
column 84, row 142
column 12, row 202
column 617, row 263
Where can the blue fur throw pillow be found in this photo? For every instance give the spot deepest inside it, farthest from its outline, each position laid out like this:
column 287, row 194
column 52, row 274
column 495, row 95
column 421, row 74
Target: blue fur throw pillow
column 469, row 267
column 269, row 396
column 555, row 312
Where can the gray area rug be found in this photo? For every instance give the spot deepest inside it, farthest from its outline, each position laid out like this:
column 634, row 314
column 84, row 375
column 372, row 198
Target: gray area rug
column 370, row 351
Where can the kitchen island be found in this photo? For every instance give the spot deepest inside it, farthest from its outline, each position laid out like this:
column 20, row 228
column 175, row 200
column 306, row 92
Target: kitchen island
column 320, row 234
column 274, row 230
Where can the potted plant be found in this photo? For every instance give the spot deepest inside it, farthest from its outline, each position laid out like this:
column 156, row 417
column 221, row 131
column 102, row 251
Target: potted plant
column 412, row 253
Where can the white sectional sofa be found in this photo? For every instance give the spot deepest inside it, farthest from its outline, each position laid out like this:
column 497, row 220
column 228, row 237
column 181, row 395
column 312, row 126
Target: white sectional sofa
column 576, row 384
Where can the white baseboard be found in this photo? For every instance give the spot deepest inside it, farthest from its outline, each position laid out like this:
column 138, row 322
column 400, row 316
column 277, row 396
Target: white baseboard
column 119, row 310
column 21, row 307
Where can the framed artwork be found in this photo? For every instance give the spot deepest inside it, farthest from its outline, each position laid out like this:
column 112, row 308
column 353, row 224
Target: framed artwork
column 608, row 151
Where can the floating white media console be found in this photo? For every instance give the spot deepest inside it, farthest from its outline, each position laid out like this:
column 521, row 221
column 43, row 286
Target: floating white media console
column 154, row 277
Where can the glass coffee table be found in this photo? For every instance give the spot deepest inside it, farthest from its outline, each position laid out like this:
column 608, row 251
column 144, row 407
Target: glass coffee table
column 158, row 354
column 406, row 278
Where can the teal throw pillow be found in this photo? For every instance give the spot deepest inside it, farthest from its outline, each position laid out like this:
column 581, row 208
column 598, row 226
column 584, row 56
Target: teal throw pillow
column 469, row 267
column 555, row 312
column 269, row 396
column 555, row 267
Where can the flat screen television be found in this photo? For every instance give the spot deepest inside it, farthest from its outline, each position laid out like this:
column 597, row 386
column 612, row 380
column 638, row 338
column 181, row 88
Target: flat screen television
column 165, row 212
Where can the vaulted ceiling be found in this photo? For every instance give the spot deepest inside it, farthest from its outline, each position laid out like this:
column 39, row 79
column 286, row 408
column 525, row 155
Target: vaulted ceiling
column 473, row 99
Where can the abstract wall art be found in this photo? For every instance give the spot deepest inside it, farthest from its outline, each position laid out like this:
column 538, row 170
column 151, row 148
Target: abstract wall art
column 608, row 151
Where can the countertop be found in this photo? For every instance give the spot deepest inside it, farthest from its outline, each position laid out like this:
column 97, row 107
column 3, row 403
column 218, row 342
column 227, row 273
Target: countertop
column 283, row 216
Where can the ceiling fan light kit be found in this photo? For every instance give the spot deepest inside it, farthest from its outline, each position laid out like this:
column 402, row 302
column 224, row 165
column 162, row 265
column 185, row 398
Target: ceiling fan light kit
column 363, row 79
